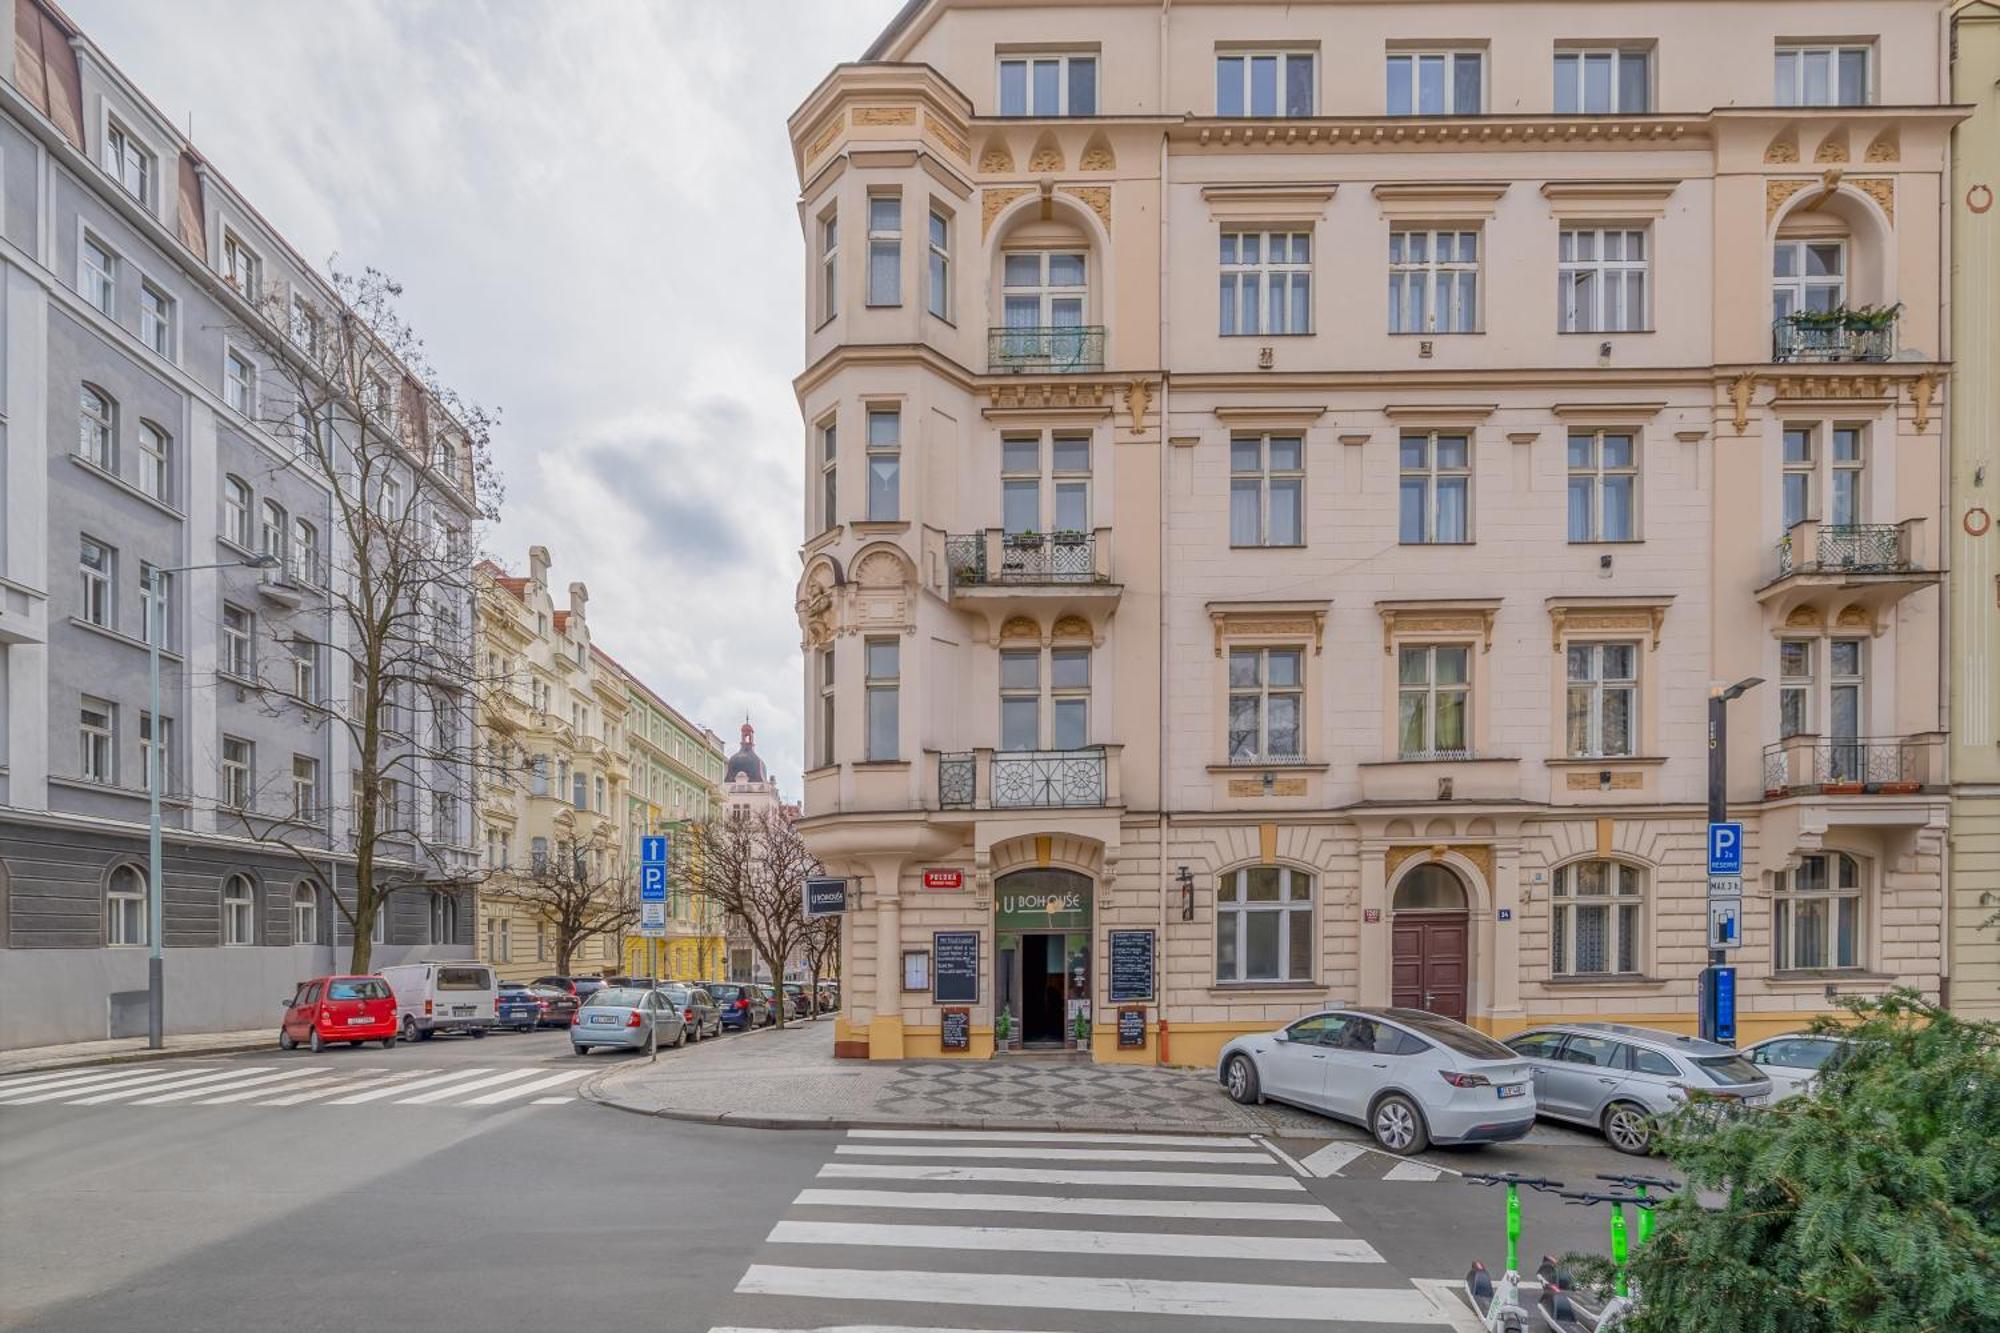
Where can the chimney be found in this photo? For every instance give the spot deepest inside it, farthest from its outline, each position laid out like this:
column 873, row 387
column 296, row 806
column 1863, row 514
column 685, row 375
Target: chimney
column 579, row 598
column 538, row 564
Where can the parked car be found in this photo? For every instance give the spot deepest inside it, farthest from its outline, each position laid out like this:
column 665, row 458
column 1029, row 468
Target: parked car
column 829, row 998
column 1409, row 1077
column 698, row 1009
column 516, row 1007
column 802, row 1004
column 633, row 983
column 628, row 1017
column 1619, row 1079
column 442, row 997
column 774, row 998
column 743, row 1007
column 329, row 1009
column 1792, row 1062
column 556, row 1005
column 580, row 987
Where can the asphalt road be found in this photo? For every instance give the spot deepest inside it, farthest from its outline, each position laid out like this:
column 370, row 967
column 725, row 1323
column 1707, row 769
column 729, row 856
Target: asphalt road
column 450, row 1185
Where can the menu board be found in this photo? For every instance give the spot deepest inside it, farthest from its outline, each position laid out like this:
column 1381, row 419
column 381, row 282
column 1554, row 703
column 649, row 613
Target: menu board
column 955, row 966
column 1131, row 1027
column 1131, row 965
column 956, row 1030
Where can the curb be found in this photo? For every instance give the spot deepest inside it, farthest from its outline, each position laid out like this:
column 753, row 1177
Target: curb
column 141, row 1057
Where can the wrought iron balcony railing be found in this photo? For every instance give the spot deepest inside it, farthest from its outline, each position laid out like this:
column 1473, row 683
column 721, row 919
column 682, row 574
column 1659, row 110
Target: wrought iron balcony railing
column 1812, row 547
column 1025, row 779
column 1831, row 342
column 1850, row 764
column 1062, row 557
column 1057, row 350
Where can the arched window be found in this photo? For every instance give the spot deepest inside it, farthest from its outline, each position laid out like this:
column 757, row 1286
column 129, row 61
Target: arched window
column 1816, row 917
column 155, row 461
column 1264, row 925
column 239, row 911
column 272, row 531
column 305, row 913
column 97, row 427
column 1594, row 918
column 1430, row 888
column 125, row 918
column 236, row 511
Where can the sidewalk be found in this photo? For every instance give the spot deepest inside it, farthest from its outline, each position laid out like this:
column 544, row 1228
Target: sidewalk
column 790, row 1080
column 128, row 1050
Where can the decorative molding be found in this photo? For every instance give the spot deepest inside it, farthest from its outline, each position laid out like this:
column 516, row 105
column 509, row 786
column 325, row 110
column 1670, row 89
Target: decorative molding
column 1479, row 853
column 1740, row 390
column 1267, row 620
column 1778, row 193
column 1693, row 436
column 827, row 134
column 1784, row 148
column 1356, row 439
column 1273, row 417
column 1072, row 627
column 1833, row 148
column 1806, row 386
column 1609, row 199
column 1922, row 389
column 1607, row 414
column 1138, row 395
column 1045, row 395
column 1047, row 157
column 1184, row 441
column 1882, row 189
column 949, row 135
column 1403, row 133
column 884, row 115
column 1276, row 201
column 1627, row 780
column 996, row 159
column 1440, row 414
column 1886, row 147
column 1448, row 617
column 1523, row 436
column 1020, row 627
column 1804, row 617
column 1098, row 197
column 1254, row 787
column 1439, row 199
column 1571, row 618
column 993, row 199
column 1097, row 156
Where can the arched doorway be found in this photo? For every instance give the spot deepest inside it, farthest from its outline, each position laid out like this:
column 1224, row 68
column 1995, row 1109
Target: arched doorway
column 1042, row 929
column 1431, row 957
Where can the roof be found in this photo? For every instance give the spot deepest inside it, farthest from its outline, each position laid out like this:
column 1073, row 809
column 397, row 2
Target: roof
column 708, row 739
column 562, row 621
column 902, row 20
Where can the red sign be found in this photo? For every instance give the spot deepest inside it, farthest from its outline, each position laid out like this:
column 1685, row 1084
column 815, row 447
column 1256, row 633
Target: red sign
column 1371, row 914
column 944, row 879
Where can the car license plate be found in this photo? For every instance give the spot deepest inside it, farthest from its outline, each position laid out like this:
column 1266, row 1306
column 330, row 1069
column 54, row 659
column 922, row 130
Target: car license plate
column 1507, row 1090
column 603, row 1018
column 362, row 1019
column 461, row 1010
column 1756, row 1101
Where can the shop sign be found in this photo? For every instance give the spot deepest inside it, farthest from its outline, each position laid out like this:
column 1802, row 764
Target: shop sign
column 1131, row 966
column 1043, row 909
column 944, row 879
column 955, row 966
column 1131, row 1027
column 955, row 1029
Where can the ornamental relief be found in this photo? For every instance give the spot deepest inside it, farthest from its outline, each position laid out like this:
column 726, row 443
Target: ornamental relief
column 948, row 135
column 885, row 115
column 1833, row 148
column 995, row 198
column 1777, row 193
column 1782, row 149
column 827, row 134
column 1097, row 156
column 1043, row 395
column 1642, row 620
column 996, row 159
column 1020, row 627
column 1887, row 147
column 1480, row 854
column 1097, row 197
column 1047, row 157
column 1882, row 189
column 1240, row 625
column 1476, row 621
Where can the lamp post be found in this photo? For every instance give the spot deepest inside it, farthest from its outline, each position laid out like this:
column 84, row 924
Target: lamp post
column 1718, row 802
column 156, row 997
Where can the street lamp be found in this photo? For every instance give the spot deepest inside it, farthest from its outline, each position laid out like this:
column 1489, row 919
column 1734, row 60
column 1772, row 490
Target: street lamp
column 155, row 891
column 1718, row 804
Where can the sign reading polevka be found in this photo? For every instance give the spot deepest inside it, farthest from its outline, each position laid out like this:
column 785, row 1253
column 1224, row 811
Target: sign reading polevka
column 944, row 879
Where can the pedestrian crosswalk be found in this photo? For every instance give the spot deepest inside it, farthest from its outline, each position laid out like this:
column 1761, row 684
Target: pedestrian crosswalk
column 184, row 1083
column 941, row 1231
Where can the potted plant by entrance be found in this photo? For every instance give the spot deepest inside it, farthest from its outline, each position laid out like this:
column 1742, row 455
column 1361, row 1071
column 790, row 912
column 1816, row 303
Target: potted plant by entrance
column 1003, row 1030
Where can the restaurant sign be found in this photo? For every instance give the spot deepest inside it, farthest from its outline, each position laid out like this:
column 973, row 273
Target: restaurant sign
column 1054, row 908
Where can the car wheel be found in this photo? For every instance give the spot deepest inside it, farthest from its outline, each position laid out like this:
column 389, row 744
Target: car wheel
column 580, row 1050
column 681, row 1037
column 314, row 1042
column 1239, row 1076
column 478, row 1032
column 409, row 1028
column 389, row 1043
column 1628, row 1128
column 1398, row 1126
column 286, row 1041
column 357, row 1045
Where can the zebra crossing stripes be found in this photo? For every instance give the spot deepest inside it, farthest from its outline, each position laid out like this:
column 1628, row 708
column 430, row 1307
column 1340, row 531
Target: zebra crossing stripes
column 1356, row 1161
column 287, row 1084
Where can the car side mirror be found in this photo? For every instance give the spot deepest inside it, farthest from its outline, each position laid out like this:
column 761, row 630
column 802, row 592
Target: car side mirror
column 1281, row 1035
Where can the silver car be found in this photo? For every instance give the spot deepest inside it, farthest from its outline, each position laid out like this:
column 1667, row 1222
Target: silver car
column 1409, row 1077
column 1792, row 1062
column 1619, row 1079
column 628, row 1017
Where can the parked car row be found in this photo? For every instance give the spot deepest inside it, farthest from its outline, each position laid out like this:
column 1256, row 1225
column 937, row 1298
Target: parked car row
column 1412, row 1078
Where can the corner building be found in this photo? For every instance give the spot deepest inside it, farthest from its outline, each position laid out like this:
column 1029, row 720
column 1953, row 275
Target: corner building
column 1287, row 478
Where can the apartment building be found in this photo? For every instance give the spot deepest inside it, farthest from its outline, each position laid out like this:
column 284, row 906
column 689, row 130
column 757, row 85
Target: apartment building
column 553, row 797
column 1284, row 481
column 136, row 435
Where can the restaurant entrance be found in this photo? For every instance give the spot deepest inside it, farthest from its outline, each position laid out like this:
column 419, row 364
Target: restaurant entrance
column 1042, row 923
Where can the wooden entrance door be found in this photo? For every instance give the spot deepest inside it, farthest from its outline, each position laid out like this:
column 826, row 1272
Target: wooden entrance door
column 1430, row 964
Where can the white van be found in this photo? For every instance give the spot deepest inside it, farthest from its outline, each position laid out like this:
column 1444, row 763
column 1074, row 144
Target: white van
column 442, row 997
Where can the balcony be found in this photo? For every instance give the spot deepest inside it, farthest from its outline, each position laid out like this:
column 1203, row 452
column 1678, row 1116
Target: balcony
column 993, row 557
column 1058, row 350
column 1832, row 566
column 1834, row 336
column 1857, row 765
column 1028, row 779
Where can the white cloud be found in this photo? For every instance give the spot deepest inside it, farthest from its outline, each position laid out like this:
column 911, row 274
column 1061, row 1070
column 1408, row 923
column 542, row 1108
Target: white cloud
column 591, row 209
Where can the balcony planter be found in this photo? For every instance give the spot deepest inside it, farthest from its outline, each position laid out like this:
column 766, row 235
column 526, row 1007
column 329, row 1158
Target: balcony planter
column 1843, row 788
column 1899, row 788
column 1069, row 537
column 1030, row 540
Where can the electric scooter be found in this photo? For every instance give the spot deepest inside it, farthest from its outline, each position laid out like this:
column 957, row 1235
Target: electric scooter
column 1559, row 1310
column 1499, row 1306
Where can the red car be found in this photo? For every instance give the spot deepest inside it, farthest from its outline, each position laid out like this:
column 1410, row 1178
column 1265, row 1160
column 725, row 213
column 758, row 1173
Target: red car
column 330, row 1009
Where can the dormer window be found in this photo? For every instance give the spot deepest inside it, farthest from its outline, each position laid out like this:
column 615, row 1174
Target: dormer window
column 241, row 268
column 128, row 163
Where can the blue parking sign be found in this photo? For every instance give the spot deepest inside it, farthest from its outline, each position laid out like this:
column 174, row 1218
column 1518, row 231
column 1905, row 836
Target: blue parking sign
column 1725, row 849
column 653, row 850
column 652, row 884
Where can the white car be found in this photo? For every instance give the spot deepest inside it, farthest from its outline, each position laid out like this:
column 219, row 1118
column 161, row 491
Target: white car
column 1792, row 1062
column 1410, row 1078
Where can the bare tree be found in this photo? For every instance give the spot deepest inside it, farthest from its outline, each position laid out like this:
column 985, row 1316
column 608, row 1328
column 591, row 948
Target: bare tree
column 404, row 469
column 579, row 891
column 753, row 867
column 822, row 946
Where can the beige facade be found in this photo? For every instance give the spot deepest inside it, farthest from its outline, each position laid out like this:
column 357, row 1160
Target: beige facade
column 1975, row 495
column 1355, row 637
column 558, row 766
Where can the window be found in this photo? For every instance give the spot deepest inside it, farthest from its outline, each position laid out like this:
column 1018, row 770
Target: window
column 1267, row 490
column 1599, row 81
column 239, row 911
column 307, row 327
column 1808, row 275
column 1043, row 289
column 1847, row 490
column 1264, row 83
column 444, row 919
column 155, row 461
column 237, row 762
column 97, row 275
column 1603, row 707
column 1021, row 700
column 240, row 266
column 154, row 602
column 1266, row 282
column 538, row 854
column 885, row 249
column 97, row 741
column 1264, row 925
column 1433, row 281
column 390, row 498
column 94, row 564
column 305, row 553
column 1603, row 486
column 1048, row 85
column 305, row 669
column 239, row 382
column 1266, row 705
column 829, row 266
column 1846, row 704
column 305, row 914
column 156, row 319
column 379, row 931
column 1601, row 281
column 1827, row 75
column 579, row 791
column 826, row 708
column 1069, row 693
column 1436, row 83
column 1434, row 502
column 1816, row 914
column 305, row 789
column 166, row 729
column 238, row 627
column 128, row 163
column 938, row 274
column 1795, row 686
column 1067, row 484
column 1434, row 702
column 125, row 922
column 884, row 676
column 236, row 511
column 829, row 485
column 885, row 466
column 499, row 940
column 379, row 402
column 97, row 428
column 1799, row 468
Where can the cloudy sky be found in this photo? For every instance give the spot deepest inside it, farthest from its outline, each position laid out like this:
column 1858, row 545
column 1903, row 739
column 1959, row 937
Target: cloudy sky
column 591, row 207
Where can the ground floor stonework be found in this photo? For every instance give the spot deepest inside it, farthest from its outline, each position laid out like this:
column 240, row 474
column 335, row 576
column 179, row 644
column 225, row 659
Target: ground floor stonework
column 1145, row 939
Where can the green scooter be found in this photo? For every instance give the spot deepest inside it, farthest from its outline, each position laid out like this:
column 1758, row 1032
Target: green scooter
column 1558, row 1307
column 1499, row 1305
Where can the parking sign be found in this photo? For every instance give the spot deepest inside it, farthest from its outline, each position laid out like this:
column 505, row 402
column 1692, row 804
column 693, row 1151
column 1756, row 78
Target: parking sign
column 652, row 884
column 1725, row 849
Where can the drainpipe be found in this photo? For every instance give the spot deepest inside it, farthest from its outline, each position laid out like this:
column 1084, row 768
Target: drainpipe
column 1160, row 466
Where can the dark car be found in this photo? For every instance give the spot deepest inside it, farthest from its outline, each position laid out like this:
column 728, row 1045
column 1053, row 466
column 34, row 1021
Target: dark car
column 514, row 1006
column 698, row 1009
column 804, row 1004
column 776, row 998
column 742, row 1007
column 556, row 1005
column 581, row 987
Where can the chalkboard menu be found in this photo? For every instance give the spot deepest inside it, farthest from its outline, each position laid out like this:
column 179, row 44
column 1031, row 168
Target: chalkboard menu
column 1131, row 1027
column 956, row 1030
column 955, row 966
column 1131, row 965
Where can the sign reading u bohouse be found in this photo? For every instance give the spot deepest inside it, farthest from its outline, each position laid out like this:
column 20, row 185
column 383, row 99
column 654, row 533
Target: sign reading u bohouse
column 826, row 897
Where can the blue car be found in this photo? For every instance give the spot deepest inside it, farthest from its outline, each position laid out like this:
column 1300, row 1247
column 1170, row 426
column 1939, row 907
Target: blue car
column 742, row 1007
column 516, row 1007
